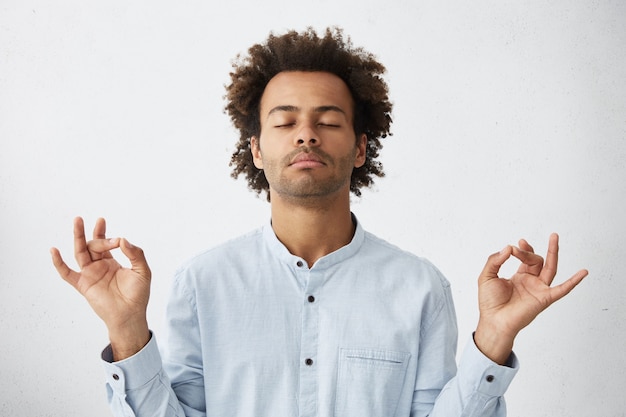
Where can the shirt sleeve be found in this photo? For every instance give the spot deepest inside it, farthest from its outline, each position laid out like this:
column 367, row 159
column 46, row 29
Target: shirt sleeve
column 144, row 385
column 475, row 389
column 478, row 388
column 138, row 386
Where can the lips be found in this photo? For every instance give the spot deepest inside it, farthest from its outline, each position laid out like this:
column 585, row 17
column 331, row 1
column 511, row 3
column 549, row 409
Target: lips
column 307, row 159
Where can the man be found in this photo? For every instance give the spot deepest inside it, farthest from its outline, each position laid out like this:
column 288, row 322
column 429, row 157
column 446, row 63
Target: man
column 310, row 315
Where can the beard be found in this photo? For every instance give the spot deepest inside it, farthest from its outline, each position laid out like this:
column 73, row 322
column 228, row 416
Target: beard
column 309, row 184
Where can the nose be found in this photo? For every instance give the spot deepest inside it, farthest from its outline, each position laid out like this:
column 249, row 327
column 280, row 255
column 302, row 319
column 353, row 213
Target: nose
column 307, row 136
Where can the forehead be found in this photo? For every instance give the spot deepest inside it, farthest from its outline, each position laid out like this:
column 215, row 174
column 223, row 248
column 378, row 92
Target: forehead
column 306, row 90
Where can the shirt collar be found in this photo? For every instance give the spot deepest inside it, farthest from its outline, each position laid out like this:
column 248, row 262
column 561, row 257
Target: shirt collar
column 281, row 252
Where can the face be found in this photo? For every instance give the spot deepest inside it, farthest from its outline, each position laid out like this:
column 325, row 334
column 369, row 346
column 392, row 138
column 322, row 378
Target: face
column 307, row 146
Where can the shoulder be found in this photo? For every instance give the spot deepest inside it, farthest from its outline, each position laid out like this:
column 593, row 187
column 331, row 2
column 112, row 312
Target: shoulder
column 380, row 252
column 234, row 251
column 412, row 281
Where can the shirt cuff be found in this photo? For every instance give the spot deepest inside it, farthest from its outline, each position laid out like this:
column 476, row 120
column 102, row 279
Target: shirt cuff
column 486, row 376
column 135, row 371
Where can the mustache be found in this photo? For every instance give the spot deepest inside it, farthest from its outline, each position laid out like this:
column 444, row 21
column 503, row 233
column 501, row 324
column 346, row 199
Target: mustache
column 306, row 149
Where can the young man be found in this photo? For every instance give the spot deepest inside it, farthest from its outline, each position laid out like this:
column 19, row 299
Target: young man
column 309, row 315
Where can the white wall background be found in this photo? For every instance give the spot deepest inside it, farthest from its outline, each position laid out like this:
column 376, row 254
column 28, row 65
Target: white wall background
column 510, row 121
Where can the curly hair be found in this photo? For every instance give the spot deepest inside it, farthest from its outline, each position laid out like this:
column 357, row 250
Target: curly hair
column 306, row 51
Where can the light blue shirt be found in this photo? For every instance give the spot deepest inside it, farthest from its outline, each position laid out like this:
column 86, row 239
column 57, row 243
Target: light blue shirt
column 368, row 330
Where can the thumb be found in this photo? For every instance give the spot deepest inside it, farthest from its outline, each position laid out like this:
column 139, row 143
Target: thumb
column 136, row 257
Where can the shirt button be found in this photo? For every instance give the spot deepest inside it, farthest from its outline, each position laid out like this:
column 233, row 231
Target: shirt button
column 490, row 378
column 116, row 377
column 299, row 263
column 311, row 299
column 308, row 362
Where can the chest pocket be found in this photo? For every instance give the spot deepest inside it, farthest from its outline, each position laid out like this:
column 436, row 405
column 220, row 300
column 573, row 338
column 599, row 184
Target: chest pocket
column 369, row 382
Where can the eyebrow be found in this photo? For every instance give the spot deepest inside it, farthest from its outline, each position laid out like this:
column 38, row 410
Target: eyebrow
column 294, row 109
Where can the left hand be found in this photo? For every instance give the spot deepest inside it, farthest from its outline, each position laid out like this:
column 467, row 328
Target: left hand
column 508, row 305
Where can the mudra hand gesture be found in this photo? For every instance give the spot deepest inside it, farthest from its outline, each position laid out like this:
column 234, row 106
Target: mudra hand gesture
column 117, row 294
column 508, row 305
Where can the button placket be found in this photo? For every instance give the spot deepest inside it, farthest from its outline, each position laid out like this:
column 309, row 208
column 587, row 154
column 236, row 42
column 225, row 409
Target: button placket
column 308, row 346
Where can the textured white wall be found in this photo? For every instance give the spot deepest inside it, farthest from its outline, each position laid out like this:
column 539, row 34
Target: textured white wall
column 510, row 122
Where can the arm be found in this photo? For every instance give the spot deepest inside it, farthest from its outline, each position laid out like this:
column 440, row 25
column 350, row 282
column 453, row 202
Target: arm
column 488, row 365
column 475, row 389
column 136, row 382
column 118, row 295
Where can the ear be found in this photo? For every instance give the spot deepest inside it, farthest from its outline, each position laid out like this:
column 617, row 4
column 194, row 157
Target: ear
column 255, row 148
column 361, row 151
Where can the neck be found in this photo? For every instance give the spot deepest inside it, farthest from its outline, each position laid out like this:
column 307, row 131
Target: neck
column 312, row 230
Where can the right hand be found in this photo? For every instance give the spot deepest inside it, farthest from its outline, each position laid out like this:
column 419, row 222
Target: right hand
column 117, row 294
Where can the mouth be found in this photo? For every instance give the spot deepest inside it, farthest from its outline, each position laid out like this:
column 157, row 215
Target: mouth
column 306, row 160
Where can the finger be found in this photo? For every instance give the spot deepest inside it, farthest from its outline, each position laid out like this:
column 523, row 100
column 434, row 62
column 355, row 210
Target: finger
column 531, row 262
column 552, row 259
column 559, row 291
column 81, row 253
column 136, row 257
column 524, row 245
column 68, row 274
column 493, row 264
column 101, row 247
column 99, row 230
column 99, row 233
